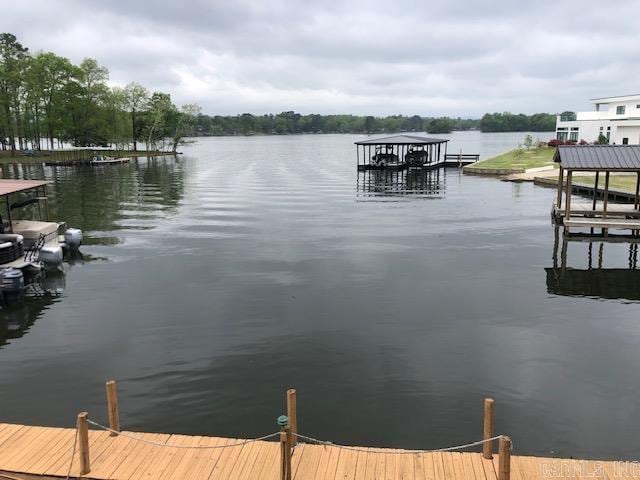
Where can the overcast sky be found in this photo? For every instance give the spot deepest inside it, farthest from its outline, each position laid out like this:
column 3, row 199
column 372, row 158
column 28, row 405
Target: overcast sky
column 411, row 57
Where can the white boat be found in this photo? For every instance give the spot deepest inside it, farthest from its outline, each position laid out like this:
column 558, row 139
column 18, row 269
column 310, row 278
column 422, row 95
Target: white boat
column 104, row 160
column 31, row 244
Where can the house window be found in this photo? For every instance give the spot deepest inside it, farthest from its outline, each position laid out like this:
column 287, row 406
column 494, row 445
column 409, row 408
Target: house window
column 625, row 141
column 637, row 106
column 561, row 136
column 601, row 128
column 608, row 128
column 620, row 110
column 574, row 136
column 608, row 136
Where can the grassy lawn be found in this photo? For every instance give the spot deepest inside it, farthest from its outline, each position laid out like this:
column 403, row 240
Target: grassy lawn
column 536, row 157
column 616, row 182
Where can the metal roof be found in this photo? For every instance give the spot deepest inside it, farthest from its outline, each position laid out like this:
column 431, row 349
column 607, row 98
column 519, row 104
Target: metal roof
column 13, row 186
column 599, row 157
column 402, row 140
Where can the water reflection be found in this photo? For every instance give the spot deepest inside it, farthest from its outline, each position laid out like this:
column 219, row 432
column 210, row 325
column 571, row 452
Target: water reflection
column 18, row 315
column 595, row 279
column 416, row 182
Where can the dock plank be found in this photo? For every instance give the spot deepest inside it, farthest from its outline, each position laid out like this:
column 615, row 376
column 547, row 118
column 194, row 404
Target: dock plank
column 46, row 452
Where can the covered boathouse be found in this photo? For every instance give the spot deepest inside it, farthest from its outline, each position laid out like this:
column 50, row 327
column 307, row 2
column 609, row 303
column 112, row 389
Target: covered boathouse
column 598, row 212
column 399, row 152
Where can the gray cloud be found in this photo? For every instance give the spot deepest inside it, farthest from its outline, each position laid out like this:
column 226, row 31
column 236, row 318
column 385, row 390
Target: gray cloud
column 407, row 56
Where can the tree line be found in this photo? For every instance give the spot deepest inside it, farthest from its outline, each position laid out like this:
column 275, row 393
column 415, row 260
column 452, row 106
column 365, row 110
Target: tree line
column 47, row 102
column 292, row 123
column 509, row 122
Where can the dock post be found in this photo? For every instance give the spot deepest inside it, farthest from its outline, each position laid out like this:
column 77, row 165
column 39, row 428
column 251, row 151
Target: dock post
column 504, row 460
column 292, row 414
column 285, row 448
column 112, row 406
column 487, row 447
column 83, row 443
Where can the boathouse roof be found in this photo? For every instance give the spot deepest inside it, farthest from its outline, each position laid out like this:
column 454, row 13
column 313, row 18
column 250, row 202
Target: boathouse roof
column 13, row 186
column 599, row 157
column 403, row 139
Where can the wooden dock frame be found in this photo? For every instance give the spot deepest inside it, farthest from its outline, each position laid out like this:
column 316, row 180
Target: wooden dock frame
column 45, row 452
column 599, row 160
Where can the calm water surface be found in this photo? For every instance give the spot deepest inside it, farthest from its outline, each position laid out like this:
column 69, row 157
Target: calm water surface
column 394, row 303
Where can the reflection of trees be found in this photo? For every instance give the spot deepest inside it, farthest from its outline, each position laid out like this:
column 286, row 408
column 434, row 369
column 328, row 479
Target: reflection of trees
column 96, row 198
column 18, row 315
column 595, row 280
column 405, row 182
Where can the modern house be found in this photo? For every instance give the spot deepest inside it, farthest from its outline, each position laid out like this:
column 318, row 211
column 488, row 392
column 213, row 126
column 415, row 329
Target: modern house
column 617, row 118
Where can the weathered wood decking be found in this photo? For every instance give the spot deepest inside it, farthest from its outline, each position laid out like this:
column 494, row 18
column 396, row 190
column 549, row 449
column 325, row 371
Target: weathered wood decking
column 47, row 451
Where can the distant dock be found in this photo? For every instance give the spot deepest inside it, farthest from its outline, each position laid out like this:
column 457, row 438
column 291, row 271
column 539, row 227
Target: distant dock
column 406, row 151
column 83, row 156
column 107, row 453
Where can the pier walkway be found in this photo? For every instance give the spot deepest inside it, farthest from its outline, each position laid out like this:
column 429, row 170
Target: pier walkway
column 47, row 452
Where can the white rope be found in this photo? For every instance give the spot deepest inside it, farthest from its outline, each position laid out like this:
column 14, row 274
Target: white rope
column 73, row 453
column 198, row 447
column 401, row 452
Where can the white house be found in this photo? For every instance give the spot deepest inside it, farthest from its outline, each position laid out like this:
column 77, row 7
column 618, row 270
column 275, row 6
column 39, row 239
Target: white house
column 617, row 118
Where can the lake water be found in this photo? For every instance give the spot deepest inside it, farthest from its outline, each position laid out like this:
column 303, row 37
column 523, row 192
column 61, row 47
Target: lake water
column 394, row 303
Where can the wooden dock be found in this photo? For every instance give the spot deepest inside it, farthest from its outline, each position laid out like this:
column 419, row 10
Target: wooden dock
column 46, row 452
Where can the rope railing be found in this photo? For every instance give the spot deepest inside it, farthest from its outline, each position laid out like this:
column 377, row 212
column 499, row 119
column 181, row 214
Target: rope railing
column 399, row 452
column 288, row 438
column 132, row 436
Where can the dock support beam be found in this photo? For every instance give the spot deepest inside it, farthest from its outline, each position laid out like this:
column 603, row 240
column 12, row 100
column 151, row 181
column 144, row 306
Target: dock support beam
column 606, row 194
column 112, row 406
column 285, row 448
column 595, row 190
column 504, row 460
column 567, row 210
column 487, row 447
column 83, row 443
column 292, row 413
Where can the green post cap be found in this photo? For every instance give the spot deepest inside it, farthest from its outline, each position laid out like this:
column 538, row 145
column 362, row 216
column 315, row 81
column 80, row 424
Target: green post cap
column 283, row 420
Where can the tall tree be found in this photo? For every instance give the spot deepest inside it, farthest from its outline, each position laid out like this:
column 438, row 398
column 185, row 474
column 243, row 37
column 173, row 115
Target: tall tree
column 12, row 65
column 136, row 98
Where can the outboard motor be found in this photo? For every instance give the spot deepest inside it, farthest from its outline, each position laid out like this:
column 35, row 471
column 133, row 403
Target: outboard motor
column 51, row 256
column 73, row 238
column 11, row 283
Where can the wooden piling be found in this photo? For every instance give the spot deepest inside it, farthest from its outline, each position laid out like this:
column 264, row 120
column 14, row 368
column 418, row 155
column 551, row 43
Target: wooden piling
column 504, row 460
column 83, row 443
column 112, row 406
column 487, row 447
column 292, row 413
column 285, row 453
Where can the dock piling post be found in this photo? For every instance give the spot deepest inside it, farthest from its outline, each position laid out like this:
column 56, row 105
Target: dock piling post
column 285, row 448
column 487, row 447
column 112, row 406
column 292, row 414
column 504, row 460
column 83, row 443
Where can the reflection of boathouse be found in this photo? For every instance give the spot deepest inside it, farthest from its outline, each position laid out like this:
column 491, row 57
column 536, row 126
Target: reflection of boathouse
column 420, row 182
column 593, row 279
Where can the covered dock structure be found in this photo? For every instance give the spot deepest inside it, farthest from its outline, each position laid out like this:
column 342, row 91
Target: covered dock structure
column 399, row 152
column 601, row 160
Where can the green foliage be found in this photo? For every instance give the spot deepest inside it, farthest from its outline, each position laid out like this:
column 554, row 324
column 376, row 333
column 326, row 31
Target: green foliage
column 440, row 125
column 508, row 122
column 291, row 123
column 45, row 99
column 602, row 140
column 528, row 142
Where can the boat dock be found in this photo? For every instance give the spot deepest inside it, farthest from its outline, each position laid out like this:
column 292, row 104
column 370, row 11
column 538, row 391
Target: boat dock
column 94, row 451
column 597, row 159
column 408, row 151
